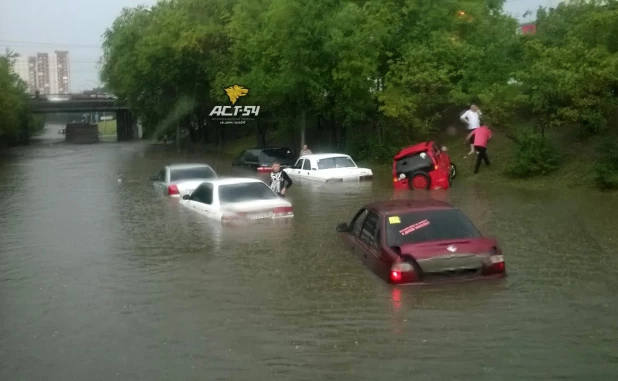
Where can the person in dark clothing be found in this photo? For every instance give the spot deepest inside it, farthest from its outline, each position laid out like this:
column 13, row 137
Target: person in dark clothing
column 279, row 180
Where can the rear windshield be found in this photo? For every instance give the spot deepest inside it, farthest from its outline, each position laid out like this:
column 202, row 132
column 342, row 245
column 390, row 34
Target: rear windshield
column 411, row 163
column 417, row 227
column 278, row 154
column 192, row 173
column 245, row 192
column 335, row 162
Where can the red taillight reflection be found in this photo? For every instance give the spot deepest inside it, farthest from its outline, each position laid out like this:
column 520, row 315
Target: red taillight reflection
column 172, row 189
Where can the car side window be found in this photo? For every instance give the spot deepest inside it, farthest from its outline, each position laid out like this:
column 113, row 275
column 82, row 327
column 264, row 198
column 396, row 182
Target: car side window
column 161, row 175
column 299, row 164
column 251, row 156
column 241, row 157
column 368, row 233
column 207, row 194
column 436, row 150
column 197, row 194
column 307, row 165
column 357, row 222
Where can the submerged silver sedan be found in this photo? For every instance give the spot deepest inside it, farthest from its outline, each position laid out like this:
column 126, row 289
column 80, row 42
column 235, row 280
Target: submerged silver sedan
column 176, row 180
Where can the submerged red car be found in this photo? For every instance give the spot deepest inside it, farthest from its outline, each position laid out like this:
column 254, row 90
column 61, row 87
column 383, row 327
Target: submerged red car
column 423, row 166
column 420, row 242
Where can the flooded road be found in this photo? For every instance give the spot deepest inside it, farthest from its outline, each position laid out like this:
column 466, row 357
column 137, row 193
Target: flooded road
column 102, row 279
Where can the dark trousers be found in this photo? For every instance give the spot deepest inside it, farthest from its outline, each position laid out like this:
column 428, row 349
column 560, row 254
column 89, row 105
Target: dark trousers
column 482, row 155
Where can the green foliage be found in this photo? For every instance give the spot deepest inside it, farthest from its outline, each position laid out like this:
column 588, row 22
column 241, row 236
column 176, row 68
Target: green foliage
column 533, row 156
column 369, row 76
column 16, row 123
column 606, row 167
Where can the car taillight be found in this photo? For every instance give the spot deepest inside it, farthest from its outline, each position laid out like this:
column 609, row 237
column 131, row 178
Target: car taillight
column 264, row 168
column 172, row 189
column 496, row 263
column 402, row 272
column 283, row 211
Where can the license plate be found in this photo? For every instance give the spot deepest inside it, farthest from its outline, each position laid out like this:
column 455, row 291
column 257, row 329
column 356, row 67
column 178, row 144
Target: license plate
column 258, row 216
column 496, row 258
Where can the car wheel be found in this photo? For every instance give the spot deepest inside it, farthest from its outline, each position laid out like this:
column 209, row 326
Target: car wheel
column 452, row 171
column 419, row 180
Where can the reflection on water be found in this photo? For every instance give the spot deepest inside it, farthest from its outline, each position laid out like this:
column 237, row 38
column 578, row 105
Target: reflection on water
column 107, row 278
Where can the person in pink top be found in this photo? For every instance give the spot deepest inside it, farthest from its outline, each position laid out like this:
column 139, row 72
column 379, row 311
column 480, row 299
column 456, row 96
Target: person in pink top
column 481, row 136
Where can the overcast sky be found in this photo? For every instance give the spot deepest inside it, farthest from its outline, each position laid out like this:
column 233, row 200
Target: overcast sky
column 30, row 26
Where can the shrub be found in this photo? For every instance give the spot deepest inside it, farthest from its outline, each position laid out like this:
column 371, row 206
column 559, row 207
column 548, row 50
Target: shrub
column 606, row 167
column 533, row 156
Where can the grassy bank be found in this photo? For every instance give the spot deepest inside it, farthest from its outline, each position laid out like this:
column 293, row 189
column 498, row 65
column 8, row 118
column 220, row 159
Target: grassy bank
column 107, row 127
column 574, row 170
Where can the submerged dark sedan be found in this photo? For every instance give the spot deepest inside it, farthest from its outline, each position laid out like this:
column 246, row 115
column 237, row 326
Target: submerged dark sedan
column 417, row 242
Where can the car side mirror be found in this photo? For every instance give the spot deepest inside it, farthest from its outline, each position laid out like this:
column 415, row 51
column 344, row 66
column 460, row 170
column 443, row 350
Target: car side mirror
column 343, row 228
column 186, row 197
column 153, row 178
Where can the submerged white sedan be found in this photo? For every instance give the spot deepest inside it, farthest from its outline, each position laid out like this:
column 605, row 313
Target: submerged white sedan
column 181, row 179
column 237, row 199
column 328, row 167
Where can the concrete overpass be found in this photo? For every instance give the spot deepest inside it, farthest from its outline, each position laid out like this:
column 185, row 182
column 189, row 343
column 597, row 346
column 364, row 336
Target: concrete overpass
column 126, row 126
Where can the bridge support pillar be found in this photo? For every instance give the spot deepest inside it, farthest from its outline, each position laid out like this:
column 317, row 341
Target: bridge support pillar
column 125, row 125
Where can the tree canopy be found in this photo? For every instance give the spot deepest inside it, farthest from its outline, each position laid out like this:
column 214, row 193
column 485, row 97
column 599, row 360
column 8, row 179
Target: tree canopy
column 359, row 73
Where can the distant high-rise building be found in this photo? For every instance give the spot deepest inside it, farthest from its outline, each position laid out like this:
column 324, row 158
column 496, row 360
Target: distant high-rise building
column 47, row 73
column 31, row 81
column 43, row 82
column 20, row 67
column 62, row 61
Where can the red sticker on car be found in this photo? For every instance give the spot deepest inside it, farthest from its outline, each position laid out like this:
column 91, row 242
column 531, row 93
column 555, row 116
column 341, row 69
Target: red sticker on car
column 414, row 227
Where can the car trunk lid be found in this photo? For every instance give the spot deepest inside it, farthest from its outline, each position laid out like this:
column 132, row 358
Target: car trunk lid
column 258, row 209
column 451, row 258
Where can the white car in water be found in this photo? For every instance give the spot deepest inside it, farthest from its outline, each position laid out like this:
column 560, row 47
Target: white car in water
column 328, row 167
column 237, row 199
column 180, row 179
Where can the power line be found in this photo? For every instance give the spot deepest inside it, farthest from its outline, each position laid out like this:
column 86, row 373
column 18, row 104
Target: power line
column 55, row 44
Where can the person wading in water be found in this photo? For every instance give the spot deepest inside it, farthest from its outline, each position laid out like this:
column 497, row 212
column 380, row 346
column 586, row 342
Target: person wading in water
column 481, row 136
column 279, row 180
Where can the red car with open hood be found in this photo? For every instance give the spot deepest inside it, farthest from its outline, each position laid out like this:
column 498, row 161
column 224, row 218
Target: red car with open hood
column 420, row 242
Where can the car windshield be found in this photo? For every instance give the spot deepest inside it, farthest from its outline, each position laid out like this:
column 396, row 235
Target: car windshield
column 192, row 173
column 232, row 193
column 272, row 154
column 432, row 225
column 336, row 162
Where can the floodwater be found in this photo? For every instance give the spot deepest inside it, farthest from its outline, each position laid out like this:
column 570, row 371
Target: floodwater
column 101, row 279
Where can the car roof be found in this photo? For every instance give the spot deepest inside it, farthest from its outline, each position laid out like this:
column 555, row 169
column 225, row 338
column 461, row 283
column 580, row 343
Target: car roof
column 232, row 180
column 188, row 165
column 420, row 147
column 319, row 156
column 265, row 148
column 404, row 206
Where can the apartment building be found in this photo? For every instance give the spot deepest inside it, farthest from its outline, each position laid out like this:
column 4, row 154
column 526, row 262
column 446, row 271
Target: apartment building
column 45, row 72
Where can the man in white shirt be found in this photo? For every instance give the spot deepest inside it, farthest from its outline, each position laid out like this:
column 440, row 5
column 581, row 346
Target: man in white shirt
column 472, row 118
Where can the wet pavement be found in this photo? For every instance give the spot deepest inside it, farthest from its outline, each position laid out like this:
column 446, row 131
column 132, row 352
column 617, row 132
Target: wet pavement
column 102, row 279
